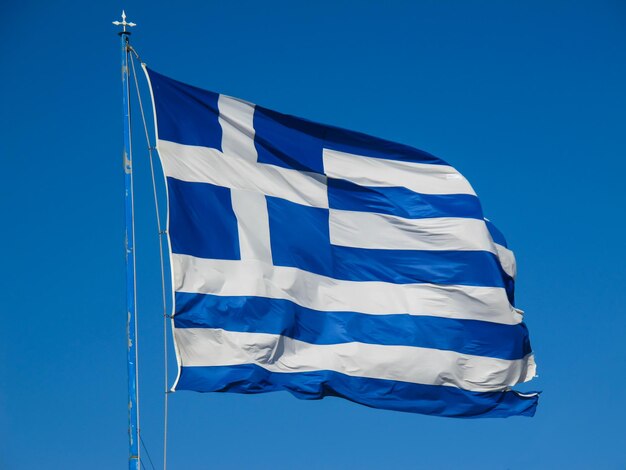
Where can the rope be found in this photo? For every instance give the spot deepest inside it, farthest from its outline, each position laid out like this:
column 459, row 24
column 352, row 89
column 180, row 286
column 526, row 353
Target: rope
column 161, row 259
column 132, row 49
column 147, row 453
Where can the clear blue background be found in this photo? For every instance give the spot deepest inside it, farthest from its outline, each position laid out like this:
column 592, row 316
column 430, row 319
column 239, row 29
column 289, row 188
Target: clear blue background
column 527, row 99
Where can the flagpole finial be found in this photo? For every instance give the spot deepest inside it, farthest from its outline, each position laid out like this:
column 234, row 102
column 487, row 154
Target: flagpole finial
column 124, row 24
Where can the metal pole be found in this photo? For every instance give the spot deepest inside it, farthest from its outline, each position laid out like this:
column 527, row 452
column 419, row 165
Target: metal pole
column 133, row 398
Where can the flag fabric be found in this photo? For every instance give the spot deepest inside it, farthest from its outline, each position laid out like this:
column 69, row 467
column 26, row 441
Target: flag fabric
column 325, row 262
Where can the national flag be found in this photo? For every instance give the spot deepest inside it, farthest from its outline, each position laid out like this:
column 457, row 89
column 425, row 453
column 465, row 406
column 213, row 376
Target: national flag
column 326, row 262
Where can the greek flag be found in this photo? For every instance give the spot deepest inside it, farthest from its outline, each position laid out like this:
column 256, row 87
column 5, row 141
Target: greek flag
column 325, row 262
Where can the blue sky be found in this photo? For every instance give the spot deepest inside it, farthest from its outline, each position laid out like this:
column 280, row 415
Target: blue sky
column 527, row 99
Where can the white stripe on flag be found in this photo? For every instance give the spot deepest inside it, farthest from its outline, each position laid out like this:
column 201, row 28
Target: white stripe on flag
column 253, row 278
column 216, row 347
column 419, row 177
column 372, row 230
column 507, row 260
column 206, row 165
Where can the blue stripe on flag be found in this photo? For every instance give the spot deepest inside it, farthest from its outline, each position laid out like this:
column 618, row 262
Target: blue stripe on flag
column 283, row 317
column 496, row 234
column 194, row 207
column 376, row 393
column 186, row 114
column 297, row 143
column 471, row 268
column 357, row 143
column 400, row 202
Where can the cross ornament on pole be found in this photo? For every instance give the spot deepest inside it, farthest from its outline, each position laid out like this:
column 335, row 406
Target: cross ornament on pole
column 123, row 23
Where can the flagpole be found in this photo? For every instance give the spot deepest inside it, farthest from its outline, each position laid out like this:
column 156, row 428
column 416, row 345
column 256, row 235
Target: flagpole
column 133, row 396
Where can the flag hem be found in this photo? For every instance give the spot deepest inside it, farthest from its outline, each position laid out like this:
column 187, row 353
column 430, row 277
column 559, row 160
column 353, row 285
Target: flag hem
column 167, row 231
